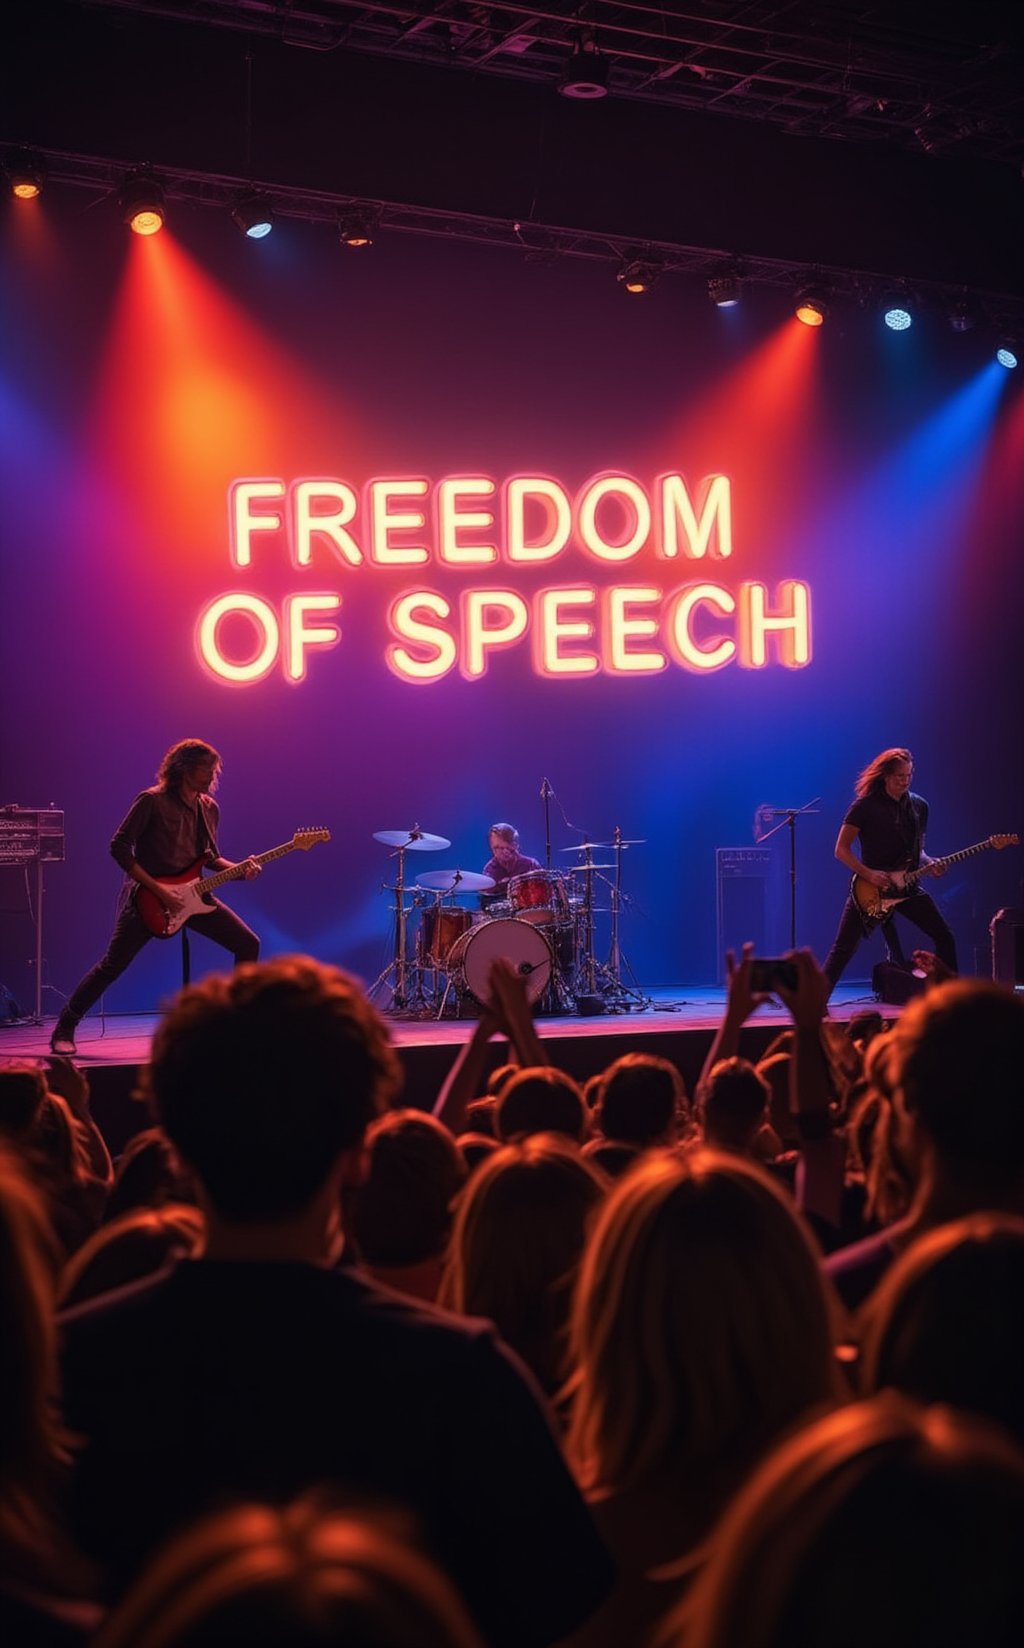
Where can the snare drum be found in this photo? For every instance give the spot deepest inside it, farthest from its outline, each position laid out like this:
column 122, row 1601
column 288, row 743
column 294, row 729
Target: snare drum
column 442, row 924
column 540, row 897
column 524, row 948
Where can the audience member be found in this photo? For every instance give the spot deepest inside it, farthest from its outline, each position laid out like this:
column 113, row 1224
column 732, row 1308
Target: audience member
column 519, row 1231
column 954, row 1060
column 43, row 1582
column 883, row 1523
column 138, row 1244
column 261, row 1369
column 147, row 1174
column 400, row 1216
column 946, row 1323
column 540, row 1099
column 507, row 1012
column 300, row 1576
column 641, row 1101
column 45, row 1112
column 700, row 1333
column 733, row 1108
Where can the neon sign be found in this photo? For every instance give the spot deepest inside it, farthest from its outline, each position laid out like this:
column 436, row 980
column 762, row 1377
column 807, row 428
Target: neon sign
column 571, row 629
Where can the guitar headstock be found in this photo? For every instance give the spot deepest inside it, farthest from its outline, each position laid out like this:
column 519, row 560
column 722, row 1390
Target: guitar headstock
column 304, row 839
column 1001, row 841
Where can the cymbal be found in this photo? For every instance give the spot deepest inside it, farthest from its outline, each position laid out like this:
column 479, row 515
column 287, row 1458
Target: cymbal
column 583, row 869
column 633, row 841
column 417, row 840
column 456, row 881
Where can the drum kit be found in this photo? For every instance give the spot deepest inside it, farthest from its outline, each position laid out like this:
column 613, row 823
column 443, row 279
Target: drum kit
column 544, row 928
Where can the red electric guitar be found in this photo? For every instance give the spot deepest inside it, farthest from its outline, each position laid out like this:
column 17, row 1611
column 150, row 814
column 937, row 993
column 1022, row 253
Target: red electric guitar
column 194, row 888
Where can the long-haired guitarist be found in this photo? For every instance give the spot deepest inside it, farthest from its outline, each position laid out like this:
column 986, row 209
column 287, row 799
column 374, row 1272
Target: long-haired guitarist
column 887, row 823
column 169, row 829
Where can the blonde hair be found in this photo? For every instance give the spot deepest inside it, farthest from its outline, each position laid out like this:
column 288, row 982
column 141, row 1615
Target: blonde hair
column 306, row 1574
column 519, row 1231
column 700, row 1326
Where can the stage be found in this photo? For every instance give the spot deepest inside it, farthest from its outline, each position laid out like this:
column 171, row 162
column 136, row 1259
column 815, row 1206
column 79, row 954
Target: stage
column 679, row 1025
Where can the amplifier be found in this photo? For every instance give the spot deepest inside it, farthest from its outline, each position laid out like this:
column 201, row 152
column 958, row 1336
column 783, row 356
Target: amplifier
column 28, row 834
column 747, row 881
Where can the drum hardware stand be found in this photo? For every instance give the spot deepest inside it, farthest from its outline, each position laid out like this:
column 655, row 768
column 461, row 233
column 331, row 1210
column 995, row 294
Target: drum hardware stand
column 788, row 816
column 399, row 970
column 620, row 996
column 589, row 999
column 396, row 973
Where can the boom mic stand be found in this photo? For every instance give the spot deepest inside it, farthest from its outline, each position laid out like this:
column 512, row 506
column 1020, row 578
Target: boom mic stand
column 787, row 817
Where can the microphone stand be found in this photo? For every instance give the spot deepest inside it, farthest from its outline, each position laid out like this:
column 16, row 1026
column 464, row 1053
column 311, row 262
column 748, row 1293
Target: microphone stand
column 788, row 816
column 546, row 793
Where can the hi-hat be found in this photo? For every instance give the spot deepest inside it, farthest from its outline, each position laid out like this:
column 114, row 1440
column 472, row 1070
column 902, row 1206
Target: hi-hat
column 585, row 869
column 456, row 881
column 417, row 840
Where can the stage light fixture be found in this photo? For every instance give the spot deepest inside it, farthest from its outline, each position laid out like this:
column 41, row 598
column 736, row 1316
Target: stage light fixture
column 811, row 306
column 1008, row 353
column 254, row 216
column 724, row 291
column 638, row 276
column 142, row 204
column 585, row 76
column 896, row 312
column 962, row 317
column 355, row 228
column 25, row 174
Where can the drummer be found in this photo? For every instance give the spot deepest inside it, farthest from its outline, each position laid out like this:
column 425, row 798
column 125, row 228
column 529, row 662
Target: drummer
column 505, row 862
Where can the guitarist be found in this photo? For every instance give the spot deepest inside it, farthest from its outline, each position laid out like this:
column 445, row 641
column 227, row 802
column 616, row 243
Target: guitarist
column 887, row 822
column 169, row 828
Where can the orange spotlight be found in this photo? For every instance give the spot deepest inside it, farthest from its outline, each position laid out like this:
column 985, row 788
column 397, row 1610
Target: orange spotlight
column 25, row 173
column 142, row 204
column 811, row 307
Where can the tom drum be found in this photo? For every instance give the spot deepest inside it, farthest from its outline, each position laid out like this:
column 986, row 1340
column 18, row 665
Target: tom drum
column 540, row 897
column 441, row 926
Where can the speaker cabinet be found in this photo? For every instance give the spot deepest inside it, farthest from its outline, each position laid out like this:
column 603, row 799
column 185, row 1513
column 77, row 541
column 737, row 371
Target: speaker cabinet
column 1007, row 931
column 895, row 985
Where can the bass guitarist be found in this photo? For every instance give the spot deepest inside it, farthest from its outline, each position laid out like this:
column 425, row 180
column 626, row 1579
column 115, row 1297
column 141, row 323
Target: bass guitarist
column 887, row 822
column 170, row 827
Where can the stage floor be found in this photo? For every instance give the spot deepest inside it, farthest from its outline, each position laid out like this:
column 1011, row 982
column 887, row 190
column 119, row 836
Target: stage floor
column 679, row 1024
column 124, row 1038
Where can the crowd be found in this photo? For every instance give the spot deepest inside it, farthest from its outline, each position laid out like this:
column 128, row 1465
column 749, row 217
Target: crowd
column 610, row 1367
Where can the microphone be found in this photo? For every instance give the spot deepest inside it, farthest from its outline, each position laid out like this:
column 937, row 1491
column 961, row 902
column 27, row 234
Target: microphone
column 545, row 789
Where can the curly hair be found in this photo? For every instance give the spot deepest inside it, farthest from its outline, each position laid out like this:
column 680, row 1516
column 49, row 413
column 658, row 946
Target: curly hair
column 262, row 1077
column 181, row 757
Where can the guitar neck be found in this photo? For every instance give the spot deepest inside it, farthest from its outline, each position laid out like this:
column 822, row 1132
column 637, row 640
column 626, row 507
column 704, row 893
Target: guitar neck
column 238, row 870
column 951, row 858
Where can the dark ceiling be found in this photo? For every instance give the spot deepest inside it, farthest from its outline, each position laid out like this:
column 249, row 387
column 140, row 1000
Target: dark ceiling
column 928, row 77
column 863, row 141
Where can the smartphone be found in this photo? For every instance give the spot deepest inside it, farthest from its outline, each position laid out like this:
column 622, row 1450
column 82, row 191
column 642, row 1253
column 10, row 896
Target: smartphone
column 768, row 972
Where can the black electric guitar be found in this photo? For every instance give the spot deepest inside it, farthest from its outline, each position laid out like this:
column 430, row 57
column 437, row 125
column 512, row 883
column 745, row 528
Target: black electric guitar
column 194, row 889
column 875, row 903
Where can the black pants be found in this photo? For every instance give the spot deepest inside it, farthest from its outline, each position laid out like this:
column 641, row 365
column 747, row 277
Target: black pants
column 131, row 934
column 919, row 908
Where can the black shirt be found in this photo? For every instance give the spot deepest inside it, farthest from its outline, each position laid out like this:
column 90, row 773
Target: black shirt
column 891, row 832
column 259, row 1380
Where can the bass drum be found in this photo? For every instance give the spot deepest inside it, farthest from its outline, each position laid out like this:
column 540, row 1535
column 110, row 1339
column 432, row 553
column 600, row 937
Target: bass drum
column 524, row 948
